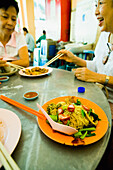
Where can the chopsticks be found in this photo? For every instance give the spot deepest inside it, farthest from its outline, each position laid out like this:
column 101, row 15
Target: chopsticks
column 6, row 159
column 54, row 59
column 21, row 106
column 14, row 65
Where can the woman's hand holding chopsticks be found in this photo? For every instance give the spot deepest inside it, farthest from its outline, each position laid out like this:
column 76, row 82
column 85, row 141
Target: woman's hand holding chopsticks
column 67, row 56
column 58, row 56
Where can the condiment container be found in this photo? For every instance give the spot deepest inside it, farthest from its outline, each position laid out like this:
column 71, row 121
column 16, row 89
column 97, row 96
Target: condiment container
column 4, row 78
column 30, row 95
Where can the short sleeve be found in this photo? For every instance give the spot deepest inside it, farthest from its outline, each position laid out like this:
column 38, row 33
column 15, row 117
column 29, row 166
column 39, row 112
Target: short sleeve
column 91, row 65
column 20, row 41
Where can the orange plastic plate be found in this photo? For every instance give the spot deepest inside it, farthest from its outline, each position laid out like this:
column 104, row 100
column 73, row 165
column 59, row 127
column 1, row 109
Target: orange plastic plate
column 101, row 128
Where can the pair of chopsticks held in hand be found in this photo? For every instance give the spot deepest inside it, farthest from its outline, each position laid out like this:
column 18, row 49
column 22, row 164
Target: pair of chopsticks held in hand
column 54, row 59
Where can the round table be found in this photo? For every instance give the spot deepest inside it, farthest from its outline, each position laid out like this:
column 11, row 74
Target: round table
column 34, row 149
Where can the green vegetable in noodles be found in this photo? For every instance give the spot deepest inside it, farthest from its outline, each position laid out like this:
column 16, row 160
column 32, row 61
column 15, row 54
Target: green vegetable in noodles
column 59, row 121
column 47, row 121
column 68, row 122
column 64, row 107
column 84, row 135
column 77, row 135
column 78, row 102
column 95, row 116
column 83, row 113
column 87, row 129
column 90, row 134
column 54, row 117
column 90, row 112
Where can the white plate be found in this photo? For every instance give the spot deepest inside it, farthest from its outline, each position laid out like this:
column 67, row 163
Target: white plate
column 10, row 128
column 13, row 71
column 23, row 74
column 10, row 58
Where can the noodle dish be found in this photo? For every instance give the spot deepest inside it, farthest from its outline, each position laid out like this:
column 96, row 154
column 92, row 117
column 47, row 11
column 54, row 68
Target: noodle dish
column 72, row 112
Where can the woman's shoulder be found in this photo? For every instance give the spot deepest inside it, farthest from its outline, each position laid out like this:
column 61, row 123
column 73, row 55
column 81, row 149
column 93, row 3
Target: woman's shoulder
column 17, row 34
column 104, row 35
column 20, row 38
column 103, row 39
column 102, row 42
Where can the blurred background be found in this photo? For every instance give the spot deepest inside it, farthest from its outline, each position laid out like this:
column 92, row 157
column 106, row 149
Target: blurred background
column 69, row 24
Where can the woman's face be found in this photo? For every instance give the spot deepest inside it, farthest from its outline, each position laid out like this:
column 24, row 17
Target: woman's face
column 104, row 14
column 7, row 20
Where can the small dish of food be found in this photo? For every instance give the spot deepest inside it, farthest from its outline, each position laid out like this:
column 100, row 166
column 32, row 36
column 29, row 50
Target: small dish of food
column 30, row 95
column 4, row 78
column 7, row 70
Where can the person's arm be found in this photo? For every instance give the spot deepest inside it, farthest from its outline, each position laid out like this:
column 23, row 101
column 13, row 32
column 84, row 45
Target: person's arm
column 38, row 40
column 24, row 57
column 87, row 75
column 70, row 57
column 2, row 63
column 106, row 79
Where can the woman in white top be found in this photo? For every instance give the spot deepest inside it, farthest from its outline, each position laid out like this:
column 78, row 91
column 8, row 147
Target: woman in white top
column 101, row 68
column 12, row 44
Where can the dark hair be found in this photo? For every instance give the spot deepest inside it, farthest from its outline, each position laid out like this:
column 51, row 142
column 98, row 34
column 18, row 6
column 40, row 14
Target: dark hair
column 25, row 29
column 7, row 3
column 44, row 32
